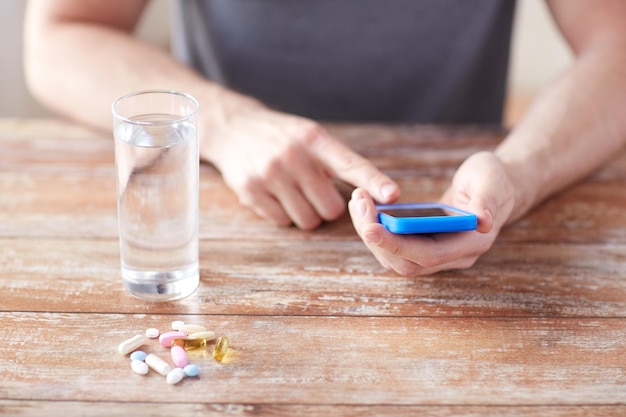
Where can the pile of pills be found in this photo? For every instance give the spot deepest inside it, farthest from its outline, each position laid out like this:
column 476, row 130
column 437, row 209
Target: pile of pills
column 182, row 338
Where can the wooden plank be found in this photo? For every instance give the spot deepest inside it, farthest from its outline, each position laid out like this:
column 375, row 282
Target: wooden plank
column 325, row 360
column 50, row 145
column 57, row 180
column 537, row 327
column 323, row 278
column 96, row 409
column 415, row 150
column 83, row 205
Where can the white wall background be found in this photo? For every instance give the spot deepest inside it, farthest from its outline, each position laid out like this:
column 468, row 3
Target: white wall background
column 14, row 100
column 539, row 53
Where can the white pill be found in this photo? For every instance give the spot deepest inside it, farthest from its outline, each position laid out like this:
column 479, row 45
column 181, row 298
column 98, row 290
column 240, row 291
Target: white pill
column 152, row 333
column 131, row 344
column 175, row 376
column 207, row 335
column 191, row 328
column 139, row 367
column 176, row 324
column 158, row 364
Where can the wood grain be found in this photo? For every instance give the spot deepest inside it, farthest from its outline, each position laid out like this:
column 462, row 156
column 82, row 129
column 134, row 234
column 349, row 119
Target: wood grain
column 53, row 186
column 337, row 360
column 536, row 328
column 323, row 278
column 95, row 409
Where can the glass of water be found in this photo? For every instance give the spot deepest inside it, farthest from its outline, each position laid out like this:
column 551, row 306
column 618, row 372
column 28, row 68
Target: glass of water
column 156, row 158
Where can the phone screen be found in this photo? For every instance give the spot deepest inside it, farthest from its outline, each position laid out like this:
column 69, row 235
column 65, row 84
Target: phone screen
column 419, row 212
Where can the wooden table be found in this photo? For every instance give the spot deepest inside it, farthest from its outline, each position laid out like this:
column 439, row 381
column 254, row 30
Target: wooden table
column 536, row 327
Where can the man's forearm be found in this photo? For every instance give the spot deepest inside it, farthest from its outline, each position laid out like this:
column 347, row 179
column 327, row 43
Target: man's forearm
column 571, row 129
column 78, row 70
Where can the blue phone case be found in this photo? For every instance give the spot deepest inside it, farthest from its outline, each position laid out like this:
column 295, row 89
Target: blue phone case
column 455, row 220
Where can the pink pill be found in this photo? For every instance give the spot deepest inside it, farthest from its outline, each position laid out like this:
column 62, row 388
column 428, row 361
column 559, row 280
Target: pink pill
column 166, row 338
column 179, row 357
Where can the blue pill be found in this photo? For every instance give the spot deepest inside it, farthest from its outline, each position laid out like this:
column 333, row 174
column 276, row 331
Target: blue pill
column 138, row 355
column 191, row 370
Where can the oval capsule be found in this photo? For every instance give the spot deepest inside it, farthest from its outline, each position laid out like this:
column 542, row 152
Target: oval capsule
column 191, row 370
column 206, row 335
column 179, row 356
column 158, row 364
column 175, row 376
column 166, row 338
column 138, row 355
column 191, row 328
column 190, row 344
column 131, row 344
column 221, row 348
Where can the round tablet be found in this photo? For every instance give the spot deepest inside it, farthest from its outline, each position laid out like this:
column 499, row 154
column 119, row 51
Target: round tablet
column 152, row 333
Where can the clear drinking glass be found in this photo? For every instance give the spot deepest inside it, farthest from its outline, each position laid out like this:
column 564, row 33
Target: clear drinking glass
column 156, row 157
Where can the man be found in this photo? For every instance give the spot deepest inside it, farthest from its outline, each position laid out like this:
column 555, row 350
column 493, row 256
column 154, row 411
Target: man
column 256, row 62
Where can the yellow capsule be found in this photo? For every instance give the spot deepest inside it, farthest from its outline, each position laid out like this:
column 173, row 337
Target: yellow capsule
column 190, row 344
column 221, row 348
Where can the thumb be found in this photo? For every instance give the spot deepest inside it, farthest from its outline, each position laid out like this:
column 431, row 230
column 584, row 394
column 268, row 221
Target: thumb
column 484, row 212
column 481, row 185
column 477, row 196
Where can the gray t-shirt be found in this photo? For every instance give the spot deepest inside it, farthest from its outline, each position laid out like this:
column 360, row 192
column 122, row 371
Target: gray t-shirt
column 428, row 61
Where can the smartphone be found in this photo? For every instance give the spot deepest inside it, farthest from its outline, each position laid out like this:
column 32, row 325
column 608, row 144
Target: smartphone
column 413, row 218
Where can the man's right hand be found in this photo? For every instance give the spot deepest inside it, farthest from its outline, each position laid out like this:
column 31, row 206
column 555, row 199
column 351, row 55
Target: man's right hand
column 282, row 166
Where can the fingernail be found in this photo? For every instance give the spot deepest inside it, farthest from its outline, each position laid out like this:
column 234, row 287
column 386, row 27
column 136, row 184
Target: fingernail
column 373, row 237
column 387, row 191
column 489, row 214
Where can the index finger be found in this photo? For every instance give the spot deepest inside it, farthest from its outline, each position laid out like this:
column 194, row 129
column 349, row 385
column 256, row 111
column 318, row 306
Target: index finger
column 343, row 163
